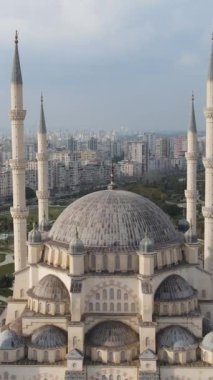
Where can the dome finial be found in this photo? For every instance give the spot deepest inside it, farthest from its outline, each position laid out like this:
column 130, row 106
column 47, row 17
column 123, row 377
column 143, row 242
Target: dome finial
column 16, row 37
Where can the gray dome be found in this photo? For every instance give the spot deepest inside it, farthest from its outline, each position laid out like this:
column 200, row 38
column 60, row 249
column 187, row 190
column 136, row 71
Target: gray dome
column 207, row 342
column 50, row 288
column 174, row 288
column 111, row 334
column 175, row 338
column 49, row 337
column 34, row 236
column 114, row 219
column 9, row 340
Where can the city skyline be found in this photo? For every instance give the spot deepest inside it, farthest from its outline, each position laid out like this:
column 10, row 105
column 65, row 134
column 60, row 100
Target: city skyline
column 99, row 63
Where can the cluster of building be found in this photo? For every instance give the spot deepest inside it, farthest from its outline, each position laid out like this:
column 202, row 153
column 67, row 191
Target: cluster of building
column 85, row 161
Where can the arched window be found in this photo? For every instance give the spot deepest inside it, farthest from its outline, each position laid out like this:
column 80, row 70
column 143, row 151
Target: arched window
column 110, row 377
column 16, row 314
column 125, row 296
column 165, row 309
column 123, row 356
column 117, row 262
column 93, row 262
column 97, row 296
column 34, row 355
column 90, row 306
column 133, row 307
column 104, row 294
column 119, row 377
column 112, row 307
column 99, row 356
column 21, row 293
column 118, row 294
column 46, row 356
column 48, row 308
column 176, row 357
column 104, row 377
column 147, row 341
column 188, row 356
column 57, row 308
column 182, row 307
column 129, row 262
column 39, row 307
column 17, row 354
column 6, row 376
column 33, row 305
column 110, row 356
column 74, row 341
column 105, row 262
column 111, row 294
column 126, row 307
column 104, row 306
column 5, row 356
column 97, row 306
column 58, row 355
column 118, row 307
column 164, row 356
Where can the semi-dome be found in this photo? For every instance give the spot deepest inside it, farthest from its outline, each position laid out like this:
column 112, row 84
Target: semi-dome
column 111, row 334
column 207, row 342
column 49, row 337
column 114, row 219
column 174, row 288
column 50, row 288
column 175, row 338
column 9, row 340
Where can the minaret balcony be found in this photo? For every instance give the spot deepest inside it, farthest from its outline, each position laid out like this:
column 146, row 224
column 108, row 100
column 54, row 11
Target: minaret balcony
column 17, row 114
column 16, row 164
column 207, row 212
column 208, row 113
column 190, row 156
column 19, row 213
column 208, row 163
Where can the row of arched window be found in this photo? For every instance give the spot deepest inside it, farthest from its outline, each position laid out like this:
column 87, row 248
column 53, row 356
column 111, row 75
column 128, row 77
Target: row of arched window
column 111, row 294
column 111, row 377
column 117, row 265
column 112, row 307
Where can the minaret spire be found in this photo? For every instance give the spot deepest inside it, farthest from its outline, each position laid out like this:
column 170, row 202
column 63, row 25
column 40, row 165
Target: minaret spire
column 19, row 211
column 42, row 158
column 208, row 163
column 191, row 157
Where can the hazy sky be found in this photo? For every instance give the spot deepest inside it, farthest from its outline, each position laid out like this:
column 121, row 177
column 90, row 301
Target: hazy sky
column 104, row 64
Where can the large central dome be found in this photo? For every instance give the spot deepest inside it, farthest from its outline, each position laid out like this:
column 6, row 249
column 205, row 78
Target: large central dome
column 114, row 219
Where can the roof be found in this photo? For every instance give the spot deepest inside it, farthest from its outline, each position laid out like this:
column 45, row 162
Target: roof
column 114, row 220
column 111, row 334
column 174, row 288
column 9, row 340
column 207, row 342
column 49, row 337
column 16, row 70
column 75, row 355
column 50, row 287
column 147, row 355
column 42, row 125
column 210, row 73
column 175, row 338
column 192, row 123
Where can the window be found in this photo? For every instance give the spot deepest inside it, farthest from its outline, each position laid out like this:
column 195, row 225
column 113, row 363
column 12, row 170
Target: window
column 147, row 341
column 126, row 308
column 176, row 357
column 39, row 307
column 119, row 377
column 48, row 308
column 21, row 293
column 110, row 356
column 111, row 294
column 118, row 294
column 99, row 355
column 165, row 309
column 5, row 356
column 111, row 377
column 123, row 357
column 129, row 262
column 16, row 314
column 34, row 355
column 104, row 294
column 57, row 308
column 46, row 356
column 104, row 377
column 93, row 261
column 117, row 262
column 97, row 306
column 58, row 355
column 97, row 296
column 118, row 307
column 90, row 306
column 104, row 306
column 133, row 307
column 74, row 341
column 203, row 293
column 17, row 354
column 112, row 307
column 105, row 262
column 125, row 296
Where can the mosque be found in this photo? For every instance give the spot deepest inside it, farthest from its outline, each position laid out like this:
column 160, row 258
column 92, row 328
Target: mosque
column 112, row 291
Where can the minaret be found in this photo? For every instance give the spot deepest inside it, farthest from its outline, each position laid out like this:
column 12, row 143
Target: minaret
column 42, row 158
column 191, row 158
column 208, row 163
column 19, row 211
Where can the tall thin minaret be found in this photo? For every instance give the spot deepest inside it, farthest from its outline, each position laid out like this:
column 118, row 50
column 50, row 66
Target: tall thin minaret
column 42, row 158
column 191, row 158
column 208, row 163
column 19, row 211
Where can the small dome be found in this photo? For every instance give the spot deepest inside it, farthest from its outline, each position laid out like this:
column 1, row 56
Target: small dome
column 183, row 225
column 111, row 334
column 207, row 342
column 146, row 244
column 174, row 288
column 49, row 337
column 34, row 236
column 10, row 340
column 175, row 338
column 190, row 237
column 50, row 288
column 76, row 245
